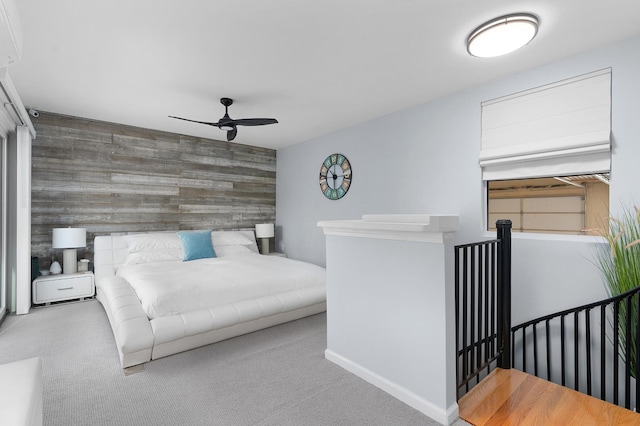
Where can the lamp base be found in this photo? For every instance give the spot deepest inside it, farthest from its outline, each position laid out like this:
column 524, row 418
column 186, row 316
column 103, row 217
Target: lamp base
column 265, row 245
column 69, row 261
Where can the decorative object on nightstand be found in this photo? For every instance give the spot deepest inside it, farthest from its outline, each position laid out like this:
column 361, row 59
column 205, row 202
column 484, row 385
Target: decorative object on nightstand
column 69, row 239
column 83, row 265
column 55, row 267
column 55, row 288
column 265, row 231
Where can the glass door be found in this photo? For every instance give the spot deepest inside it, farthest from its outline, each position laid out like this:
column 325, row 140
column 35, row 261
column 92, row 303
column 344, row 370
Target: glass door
column 3, row 230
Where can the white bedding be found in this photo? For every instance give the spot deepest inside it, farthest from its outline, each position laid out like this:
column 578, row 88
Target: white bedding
column 170, row 288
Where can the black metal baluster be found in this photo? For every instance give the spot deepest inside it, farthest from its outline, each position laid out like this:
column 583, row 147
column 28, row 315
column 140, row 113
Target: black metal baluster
column 627, row 351
column 513, row 344
column 504, row 282
column 465, row 372
column 487, row 343
column 616, row 325
column 637, row 358
column 548, row 340
column 494, row 304
column 472, row 304
column 562, row 350
column 524, row 349
column 587, row 320
column 535, row 350
column 456, row 290
column 479, row 358
column 603, row 352
column 576, row 352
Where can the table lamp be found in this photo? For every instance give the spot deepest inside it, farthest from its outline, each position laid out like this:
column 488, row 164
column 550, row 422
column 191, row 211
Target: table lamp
column 265, row 231
column 69, row 239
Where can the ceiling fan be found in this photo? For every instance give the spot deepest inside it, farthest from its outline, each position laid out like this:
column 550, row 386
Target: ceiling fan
column 229, row 124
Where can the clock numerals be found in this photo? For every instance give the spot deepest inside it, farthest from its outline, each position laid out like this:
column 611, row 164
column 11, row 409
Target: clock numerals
column 335, row 176
column 329, row 193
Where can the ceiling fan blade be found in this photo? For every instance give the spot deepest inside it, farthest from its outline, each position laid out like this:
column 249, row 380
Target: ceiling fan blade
column 231, row 134
column 227, row 122
column 254, row 121
column 196, row 121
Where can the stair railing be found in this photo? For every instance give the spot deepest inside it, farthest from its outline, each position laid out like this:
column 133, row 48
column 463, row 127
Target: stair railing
column 590, row 348
column 483, row 307
column 585, row 348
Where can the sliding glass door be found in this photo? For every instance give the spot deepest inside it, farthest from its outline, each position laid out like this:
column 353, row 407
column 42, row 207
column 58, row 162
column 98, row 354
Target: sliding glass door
column 3, row 230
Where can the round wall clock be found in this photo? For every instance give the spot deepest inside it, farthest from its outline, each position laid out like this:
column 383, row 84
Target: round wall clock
column 335, row 176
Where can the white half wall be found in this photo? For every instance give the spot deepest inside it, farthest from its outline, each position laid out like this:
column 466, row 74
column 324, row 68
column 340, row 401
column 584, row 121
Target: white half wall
column 390, row 308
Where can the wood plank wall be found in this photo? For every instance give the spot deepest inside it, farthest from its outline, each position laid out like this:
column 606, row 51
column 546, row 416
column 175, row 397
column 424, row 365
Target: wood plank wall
column 110, row 178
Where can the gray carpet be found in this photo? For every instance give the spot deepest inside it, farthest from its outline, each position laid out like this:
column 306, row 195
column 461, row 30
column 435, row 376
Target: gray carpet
column 274, row 377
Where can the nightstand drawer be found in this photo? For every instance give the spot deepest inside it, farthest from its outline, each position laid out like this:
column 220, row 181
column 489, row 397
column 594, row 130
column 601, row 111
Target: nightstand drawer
column 52, row 289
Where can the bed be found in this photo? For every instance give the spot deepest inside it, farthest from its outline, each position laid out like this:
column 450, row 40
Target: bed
column 159, row 304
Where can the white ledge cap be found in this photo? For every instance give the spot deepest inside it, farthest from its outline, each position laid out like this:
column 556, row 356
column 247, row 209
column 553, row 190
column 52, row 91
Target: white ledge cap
column 434, row 222
column 415, row 227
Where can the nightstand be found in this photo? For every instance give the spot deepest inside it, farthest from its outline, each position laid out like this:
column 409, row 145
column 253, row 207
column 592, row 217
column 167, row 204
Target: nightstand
column 277, row 254
column 54, row 288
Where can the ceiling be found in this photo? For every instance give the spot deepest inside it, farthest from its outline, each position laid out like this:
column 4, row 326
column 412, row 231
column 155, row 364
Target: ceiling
column 316, row 66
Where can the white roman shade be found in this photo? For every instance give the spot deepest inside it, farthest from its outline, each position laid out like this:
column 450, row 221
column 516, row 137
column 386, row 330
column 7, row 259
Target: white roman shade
column 559, row 129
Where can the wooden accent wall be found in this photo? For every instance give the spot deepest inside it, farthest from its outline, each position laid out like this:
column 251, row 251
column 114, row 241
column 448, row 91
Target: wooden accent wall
column 110, row 178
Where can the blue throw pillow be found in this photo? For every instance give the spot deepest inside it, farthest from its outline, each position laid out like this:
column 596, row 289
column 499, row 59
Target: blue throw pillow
column 196, row 245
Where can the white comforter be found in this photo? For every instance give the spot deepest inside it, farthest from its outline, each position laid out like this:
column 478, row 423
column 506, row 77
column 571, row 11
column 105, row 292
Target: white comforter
column 169, row 288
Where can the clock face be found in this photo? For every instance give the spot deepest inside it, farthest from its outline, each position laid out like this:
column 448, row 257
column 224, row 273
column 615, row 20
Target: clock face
column 335, row 176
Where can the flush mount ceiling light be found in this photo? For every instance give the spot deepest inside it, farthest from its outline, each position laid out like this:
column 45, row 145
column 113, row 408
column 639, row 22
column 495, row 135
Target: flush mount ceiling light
column 502, row 35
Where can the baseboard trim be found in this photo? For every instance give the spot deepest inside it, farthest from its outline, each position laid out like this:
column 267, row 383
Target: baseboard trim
column 426, row 407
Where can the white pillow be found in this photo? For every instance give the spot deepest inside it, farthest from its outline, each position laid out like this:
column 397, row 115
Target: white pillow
column 167, row 246
column 222, row 251
column 153, row 247
column 154, row 256
column 229, row 238
column 155, row 241
column 234, row 238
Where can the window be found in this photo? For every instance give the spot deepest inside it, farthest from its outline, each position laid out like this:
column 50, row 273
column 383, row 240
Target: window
column 560, row 205
column 546, row 155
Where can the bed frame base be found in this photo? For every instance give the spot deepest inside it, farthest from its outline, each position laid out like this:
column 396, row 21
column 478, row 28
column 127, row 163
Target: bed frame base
column 213, row 336
column 140, row 340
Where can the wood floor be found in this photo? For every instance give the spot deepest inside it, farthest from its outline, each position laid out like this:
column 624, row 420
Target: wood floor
column 511, row 397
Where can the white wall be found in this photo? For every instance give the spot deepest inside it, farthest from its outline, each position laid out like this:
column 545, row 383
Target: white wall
column 425, row 160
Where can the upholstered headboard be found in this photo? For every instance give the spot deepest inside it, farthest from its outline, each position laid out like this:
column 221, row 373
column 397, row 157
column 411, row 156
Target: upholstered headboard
column 111, row 251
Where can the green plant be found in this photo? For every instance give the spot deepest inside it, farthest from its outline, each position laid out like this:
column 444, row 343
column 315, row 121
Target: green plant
column 619, row 262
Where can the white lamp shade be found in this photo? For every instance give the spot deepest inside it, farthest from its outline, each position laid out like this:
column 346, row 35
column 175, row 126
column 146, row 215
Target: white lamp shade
column 265, row 230
column 69, row 238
